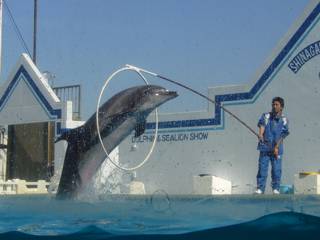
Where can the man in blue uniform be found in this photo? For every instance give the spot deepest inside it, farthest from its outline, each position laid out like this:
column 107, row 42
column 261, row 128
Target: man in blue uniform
column 273, row 128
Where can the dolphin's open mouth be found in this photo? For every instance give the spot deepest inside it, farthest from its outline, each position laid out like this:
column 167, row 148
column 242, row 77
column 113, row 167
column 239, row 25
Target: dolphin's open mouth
column 165, row 92
column 173, row 94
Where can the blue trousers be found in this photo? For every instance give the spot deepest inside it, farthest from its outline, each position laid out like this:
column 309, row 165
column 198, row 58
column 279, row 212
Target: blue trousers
column 262, row 175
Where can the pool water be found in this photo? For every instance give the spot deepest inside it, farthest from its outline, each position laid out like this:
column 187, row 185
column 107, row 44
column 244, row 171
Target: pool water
column 160, row 216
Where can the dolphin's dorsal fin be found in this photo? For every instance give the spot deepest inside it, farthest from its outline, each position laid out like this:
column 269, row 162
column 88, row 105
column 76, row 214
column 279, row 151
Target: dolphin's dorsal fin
column 140, row 128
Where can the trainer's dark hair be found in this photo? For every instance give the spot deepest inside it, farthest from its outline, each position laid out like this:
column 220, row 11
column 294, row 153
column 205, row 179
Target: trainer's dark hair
column 278, row 99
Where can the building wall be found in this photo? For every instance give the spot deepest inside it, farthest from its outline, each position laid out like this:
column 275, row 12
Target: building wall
column 228, row 150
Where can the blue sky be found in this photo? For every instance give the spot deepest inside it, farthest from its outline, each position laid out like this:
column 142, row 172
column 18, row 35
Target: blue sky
column 199, row 43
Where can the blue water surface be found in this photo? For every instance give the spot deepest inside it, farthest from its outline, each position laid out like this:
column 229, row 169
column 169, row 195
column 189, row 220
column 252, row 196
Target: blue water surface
column 160, row 216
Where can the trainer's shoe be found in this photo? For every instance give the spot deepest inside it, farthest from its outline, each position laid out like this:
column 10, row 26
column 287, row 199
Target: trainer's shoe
column 276, row 191
column 258, row 191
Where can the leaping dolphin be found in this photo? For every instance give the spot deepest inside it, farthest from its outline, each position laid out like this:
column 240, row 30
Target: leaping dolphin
column 118, row 117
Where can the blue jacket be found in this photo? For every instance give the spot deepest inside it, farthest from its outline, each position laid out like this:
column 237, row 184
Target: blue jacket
column 276, row 127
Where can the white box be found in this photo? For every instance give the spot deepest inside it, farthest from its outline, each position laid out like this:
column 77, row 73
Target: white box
column 307, row 184
column 136, row 187
column 211, row 185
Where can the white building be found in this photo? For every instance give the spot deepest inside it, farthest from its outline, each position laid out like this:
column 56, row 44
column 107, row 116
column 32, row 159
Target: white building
column 32, row 116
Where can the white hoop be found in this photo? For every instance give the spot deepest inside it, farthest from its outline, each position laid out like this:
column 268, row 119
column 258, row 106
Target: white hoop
column 97, row 120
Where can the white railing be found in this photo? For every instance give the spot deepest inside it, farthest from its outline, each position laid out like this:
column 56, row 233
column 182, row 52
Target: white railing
column 18, row 186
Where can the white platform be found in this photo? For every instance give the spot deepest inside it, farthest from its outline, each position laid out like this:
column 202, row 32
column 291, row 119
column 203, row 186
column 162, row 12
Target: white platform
column 307, row 184
column 18, row 186
column 137, row 188
column 211, row 185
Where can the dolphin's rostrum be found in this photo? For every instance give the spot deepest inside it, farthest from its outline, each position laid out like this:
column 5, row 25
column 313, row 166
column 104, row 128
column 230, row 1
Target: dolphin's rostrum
column 118, row 117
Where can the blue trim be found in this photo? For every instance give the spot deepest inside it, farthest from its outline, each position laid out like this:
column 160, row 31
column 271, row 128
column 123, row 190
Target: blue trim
column 58, row 128
column 52, row 113
column 185, row 130
column 255, row 91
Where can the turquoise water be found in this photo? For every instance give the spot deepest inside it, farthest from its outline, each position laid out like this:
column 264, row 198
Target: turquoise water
column 160, row 216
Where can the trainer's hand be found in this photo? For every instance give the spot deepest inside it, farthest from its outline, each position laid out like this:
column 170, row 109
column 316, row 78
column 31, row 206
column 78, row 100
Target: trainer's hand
column 261, row 139
column 276, row 151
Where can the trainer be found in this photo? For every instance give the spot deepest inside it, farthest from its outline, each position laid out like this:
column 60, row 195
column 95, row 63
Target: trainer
column 273, row 128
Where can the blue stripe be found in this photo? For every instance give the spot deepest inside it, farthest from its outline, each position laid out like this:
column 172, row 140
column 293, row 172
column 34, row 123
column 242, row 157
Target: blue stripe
column 185, row 130
column 58, row 128
column 53, row 113
column 252, row 95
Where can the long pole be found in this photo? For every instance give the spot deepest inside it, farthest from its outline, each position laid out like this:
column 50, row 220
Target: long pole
column 198, row 93
column 35, row 15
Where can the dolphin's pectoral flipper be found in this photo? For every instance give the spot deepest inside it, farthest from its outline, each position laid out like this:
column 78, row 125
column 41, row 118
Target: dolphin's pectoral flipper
column 140, row 128
column 141, row 125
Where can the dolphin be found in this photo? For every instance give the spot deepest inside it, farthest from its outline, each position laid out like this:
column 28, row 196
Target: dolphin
column 118, row 117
